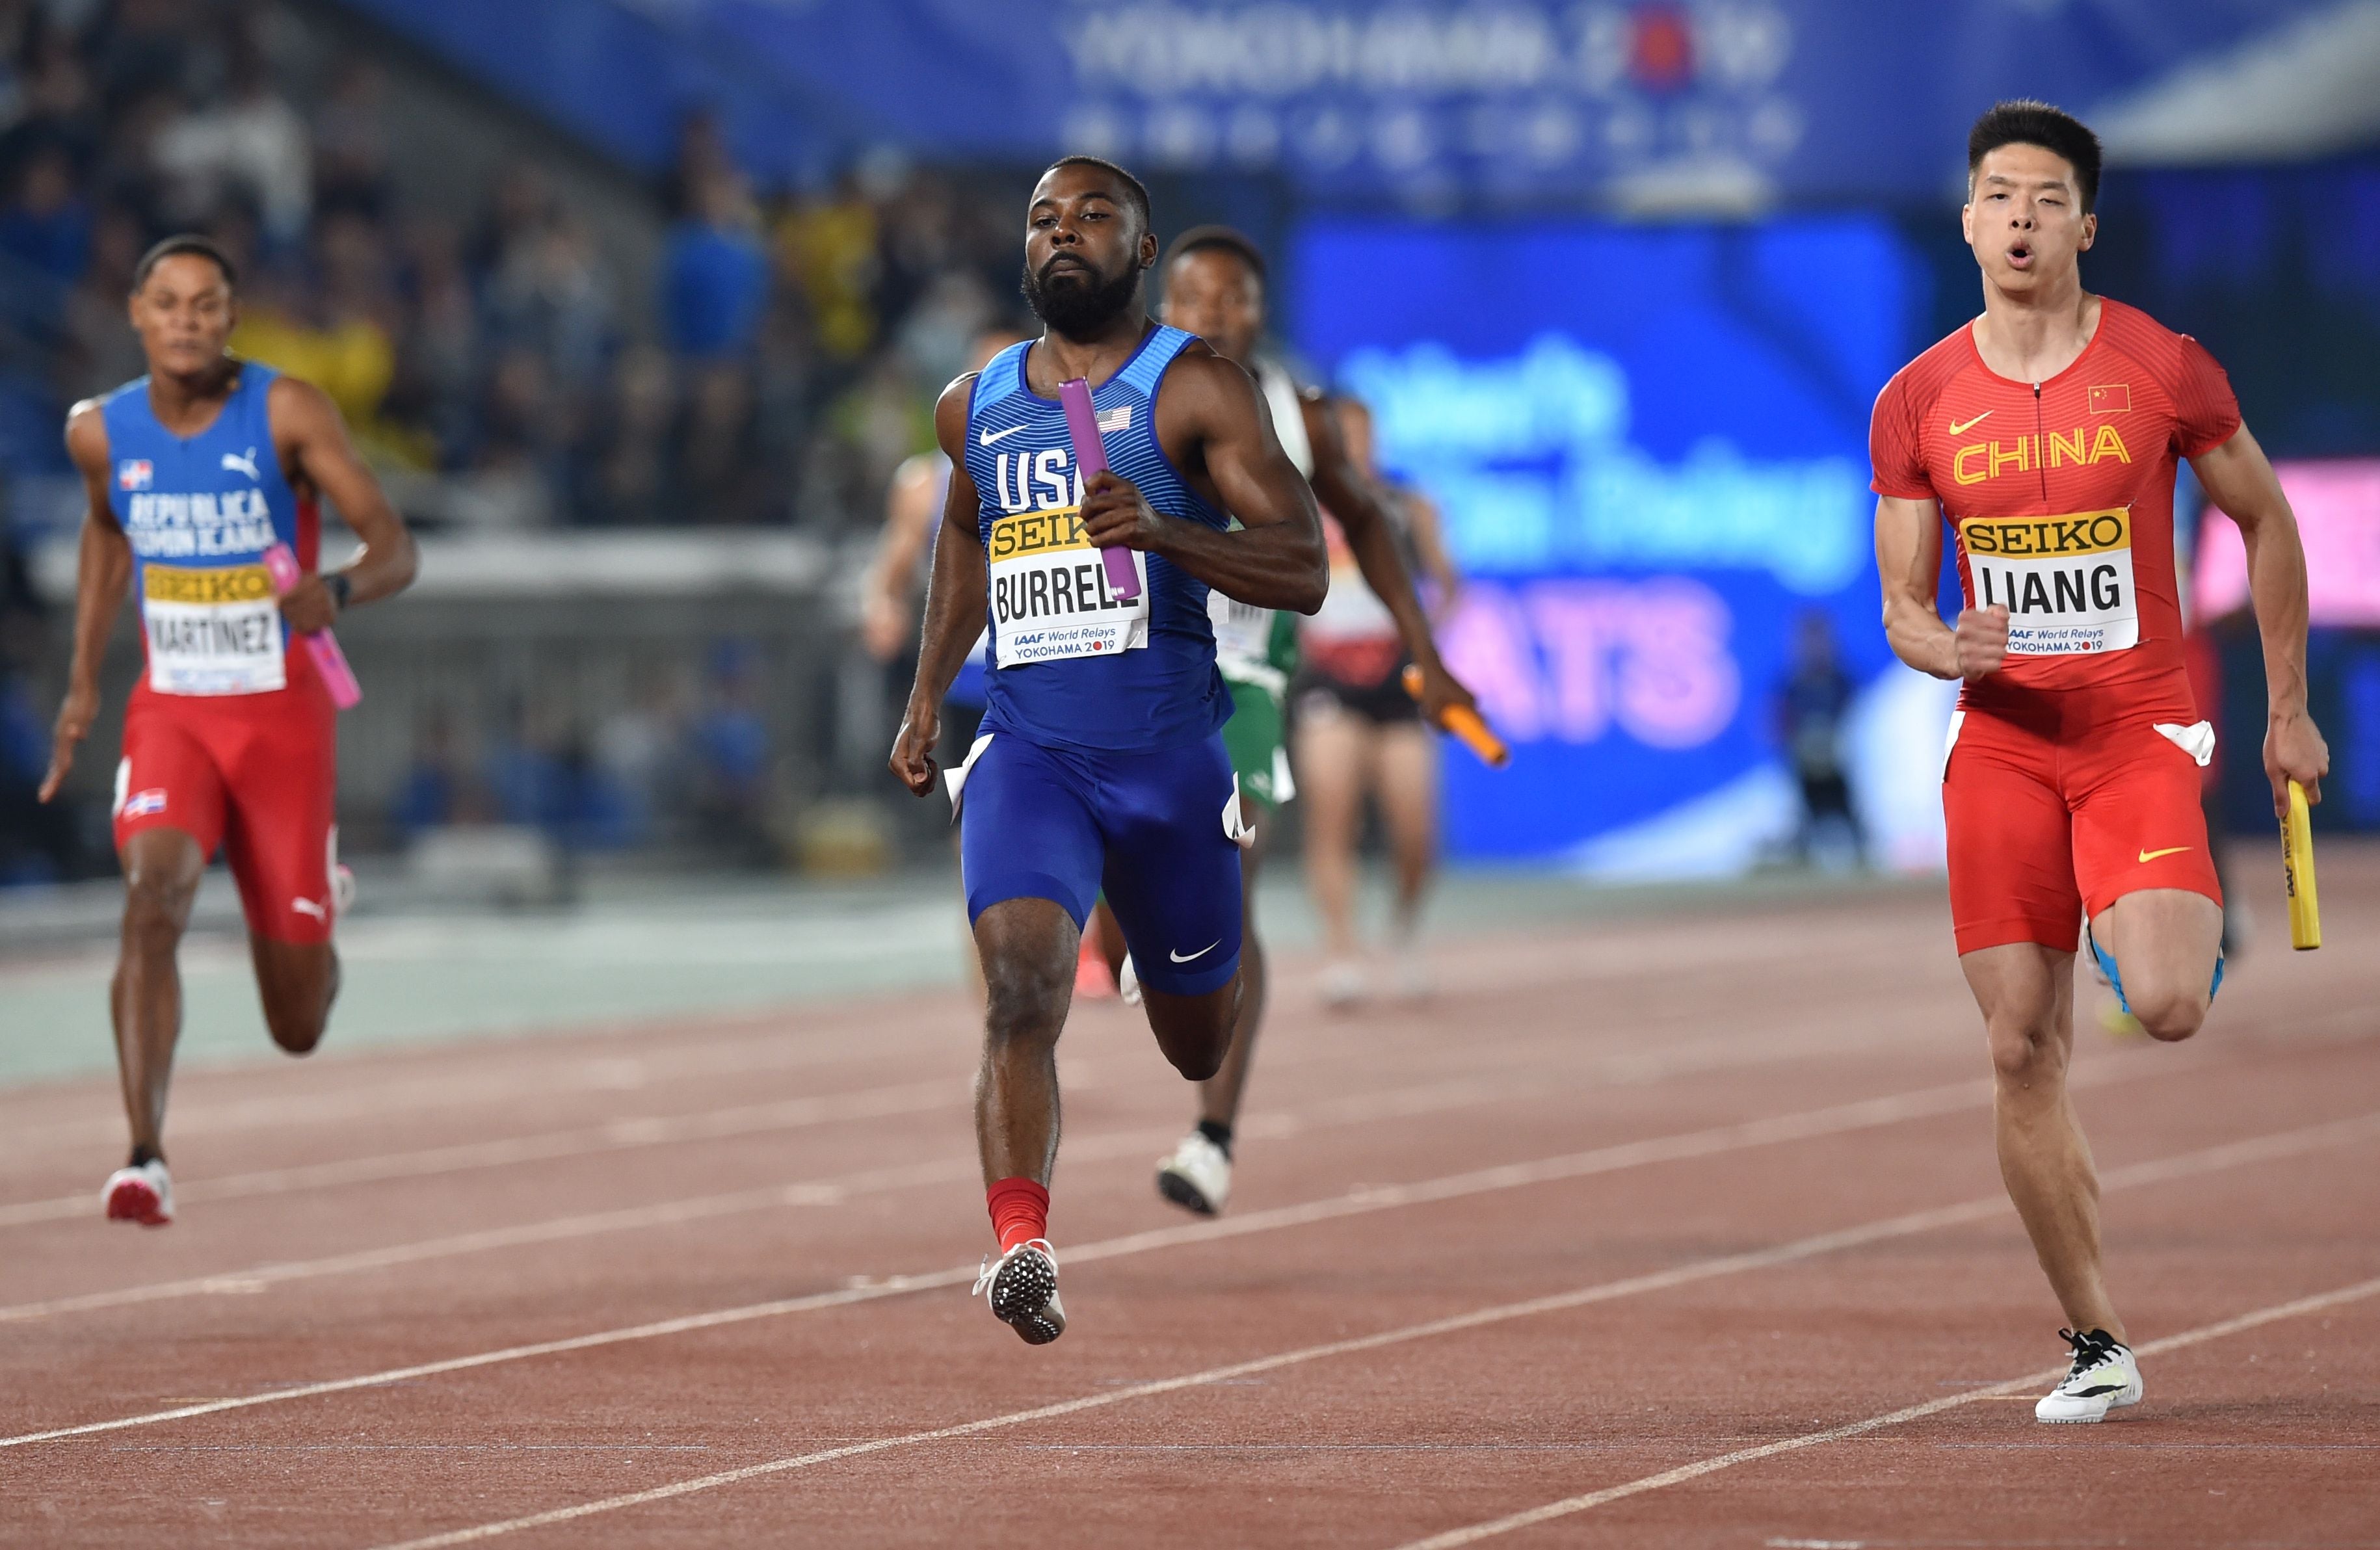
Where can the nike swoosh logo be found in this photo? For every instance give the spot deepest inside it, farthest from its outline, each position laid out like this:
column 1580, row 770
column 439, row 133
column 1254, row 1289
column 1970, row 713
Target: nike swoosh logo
column 1957, row 429
column 1184, row 958
column 2170, row 850
column 985, row 438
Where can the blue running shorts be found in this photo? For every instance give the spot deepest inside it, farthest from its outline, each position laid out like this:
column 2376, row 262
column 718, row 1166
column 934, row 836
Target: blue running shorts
column 1150, row 828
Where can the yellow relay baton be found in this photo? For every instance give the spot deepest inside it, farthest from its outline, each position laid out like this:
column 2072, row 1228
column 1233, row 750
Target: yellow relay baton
column 2297, row 871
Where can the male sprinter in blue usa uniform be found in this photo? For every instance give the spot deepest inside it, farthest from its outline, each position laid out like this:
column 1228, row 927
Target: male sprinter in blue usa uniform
column 1100, row 763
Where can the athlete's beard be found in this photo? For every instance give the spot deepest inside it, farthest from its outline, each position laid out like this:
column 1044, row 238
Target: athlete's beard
column 1080, row 311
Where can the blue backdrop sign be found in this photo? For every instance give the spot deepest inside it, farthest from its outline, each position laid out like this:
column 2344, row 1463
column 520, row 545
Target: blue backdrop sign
column 1642, row 102
column 1650, row 449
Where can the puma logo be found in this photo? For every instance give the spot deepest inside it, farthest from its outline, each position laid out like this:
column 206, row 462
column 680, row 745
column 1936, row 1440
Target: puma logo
column 309, row 906
column 239, row 464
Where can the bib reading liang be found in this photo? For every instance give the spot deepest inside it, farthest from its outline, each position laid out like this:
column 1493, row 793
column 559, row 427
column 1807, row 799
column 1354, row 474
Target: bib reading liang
column 2066, row 581
column 212, row 632
column 1050, row 596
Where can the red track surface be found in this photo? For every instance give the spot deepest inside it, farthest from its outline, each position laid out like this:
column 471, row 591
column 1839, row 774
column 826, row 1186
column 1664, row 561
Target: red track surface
column 1638, row 1235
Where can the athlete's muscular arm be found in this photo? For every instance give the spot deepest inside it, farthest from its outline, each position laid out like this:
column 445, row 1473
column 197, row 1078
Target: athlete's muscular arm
column 1909, row 560
column 312, row 442
column 1372, row 536
column 884, row 591
column 954, row 600
column 2238, row 479
column 102, row 570
column 1277, row 559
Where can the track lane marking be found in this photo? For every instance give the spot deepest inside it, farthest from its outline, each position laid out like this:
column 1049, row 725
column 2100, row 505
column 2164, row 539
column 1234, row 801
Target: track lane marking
column 1533, row 968
column 1397, row 1103
column 1631, row 1067
column 1810, row 1124
column 2184, row 1164
column 2012, row 1387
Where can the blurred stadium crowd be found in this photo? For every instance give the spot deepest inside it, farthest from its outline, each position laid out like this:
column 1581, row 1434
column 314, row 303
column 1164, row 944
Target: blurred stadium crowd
column 779, row 365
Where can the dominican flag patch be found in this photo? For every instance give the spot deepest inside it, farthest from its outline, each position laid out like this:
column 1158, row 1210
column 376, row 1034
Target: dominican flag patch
column 134, row 473
column 140, row 803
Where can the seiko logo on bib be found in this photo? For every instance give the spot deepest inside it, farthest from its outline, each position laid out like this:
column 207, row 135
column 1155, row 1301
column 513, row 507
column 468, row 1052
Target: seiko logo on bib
column 2066, row 581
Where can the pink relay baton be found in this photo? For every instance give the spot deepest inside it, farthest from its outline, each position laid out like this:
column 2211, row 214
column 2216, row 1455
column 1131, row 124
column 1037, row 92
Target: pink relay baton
column 329, row 661
column 1091, row 457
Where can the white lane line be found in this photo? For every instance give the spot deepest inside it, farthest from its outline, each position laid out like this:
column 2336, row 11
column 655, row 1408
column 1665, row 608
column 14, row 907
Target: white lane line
column 2188, row 1164
column 1533, row 962
column 1428, row 1097
column 627, row 1133
column 2300, row 1308
column 1360, row 1200
column 2283, row 1144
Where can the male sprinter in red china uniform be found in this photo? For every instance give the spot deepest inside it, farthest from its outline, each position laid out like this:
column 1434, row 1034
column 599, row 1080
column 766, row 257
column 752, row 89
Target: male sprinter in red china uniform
column 192, row 473
column 2046, row 435
column 1100, row 765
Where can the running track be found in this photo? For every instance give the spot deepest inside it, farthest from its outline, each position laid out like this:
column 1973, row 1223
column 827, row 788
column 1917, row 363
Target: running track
column 1683, row 1231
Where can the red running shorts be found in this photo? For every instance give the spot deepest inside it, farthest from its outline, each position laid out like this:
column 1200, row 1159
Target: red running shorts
column 2062, row 802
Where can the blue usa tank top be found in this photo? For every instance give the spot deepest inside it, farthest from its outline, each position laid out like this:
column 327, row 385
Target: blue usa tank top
column 1072, row 665
column 199, row 512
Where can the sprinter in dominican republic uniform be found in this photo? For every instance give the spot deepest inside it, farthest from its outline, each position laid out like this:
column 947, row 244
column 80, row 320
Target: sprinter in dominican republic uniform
column 2044, row 436
column 1100, row 766
column 192, row 474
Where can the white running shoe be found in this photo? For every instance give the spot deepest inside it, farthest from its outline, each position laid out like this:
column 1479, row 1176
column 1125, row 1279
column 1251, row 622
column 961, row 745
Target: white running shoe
column 2105, row 1379
column 1198, row 1177
column 142, row 1194
column 1342, row 983
column 1022, row 1286
column 1128, row 983
column 343, row 890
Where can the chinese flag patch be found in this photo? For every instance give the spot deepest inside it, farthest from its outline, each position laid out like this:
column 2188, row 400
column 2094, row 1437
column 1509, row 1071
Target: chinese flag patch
column 2112, row 400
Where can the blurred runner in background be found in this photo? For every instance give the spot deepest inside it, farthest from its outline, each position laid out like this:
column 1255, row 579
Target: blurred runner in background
column 1357, row 732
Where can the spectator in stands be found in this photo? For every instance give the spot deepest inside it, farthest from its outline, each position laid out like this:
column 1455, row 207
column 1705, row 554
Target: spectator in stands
column 629, row 463
column 715, row 275
column 438, row 788
column 730, row 748
column 251, row 143
column 351, row 171
column 38, row 842
column 46, row 224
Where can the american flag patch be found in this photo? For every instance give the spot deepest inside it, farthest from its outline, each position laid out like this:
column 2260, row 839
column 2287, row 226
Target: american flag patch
column 1118, row 418
column 2115, row 400
column 134, row 473
column 140, row 803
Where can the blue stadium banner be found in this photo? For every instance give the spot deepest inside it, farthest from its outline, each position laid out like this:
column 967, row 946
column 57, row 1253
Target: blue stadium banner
column 1649, row 446
column 1639, row 103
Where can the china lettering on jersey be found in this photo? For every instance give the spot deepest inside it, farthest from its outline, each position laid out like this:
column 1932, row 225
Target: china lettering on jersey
column 2066, row 581
column 199, row 512
column 1050, row 596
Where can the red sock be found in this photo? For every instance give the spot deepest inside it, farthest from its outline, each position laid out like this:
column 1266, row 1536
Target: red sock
column 1020, row 1211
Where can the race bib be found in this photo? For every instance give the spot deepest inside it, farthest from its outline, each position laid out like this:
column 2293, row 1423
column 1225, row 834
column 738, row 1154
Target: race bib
column 1242, row 632
column 2066, row 581
column 212, row 632
column 1050, row 596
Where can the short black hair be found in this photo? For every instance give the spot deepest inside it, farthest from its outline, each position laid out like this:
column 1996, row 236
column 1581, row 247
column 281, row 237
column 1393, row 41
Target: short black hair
column 187, row 242
column 1202, row 239
column 1135, row 191
column 2027, row 122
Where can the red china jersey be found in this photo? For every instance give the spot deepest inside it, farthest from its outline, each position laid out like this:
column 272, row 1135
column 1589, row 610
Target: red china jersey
column 2060, row 496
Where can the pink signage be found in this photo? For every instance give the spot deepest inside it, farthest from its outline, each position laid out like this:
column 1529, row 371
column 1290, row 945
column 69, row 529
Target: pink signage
column 2338, row 505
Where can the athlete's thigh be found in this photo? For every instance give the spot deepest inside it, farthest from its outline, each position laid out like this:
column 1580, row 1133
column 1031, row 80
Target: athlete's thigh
column 2011, row 856
column 167, row 779
column 1408, row 764
column 1172, row 868
column 1333, row 748
column 2139, row 820
column 281, row 836
column 1027, row 829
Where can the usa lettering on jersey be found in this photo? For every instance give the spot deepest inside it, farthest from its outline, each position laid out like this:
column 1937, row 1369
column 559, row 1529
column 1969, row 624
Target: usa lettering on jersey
column 1050, row 596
